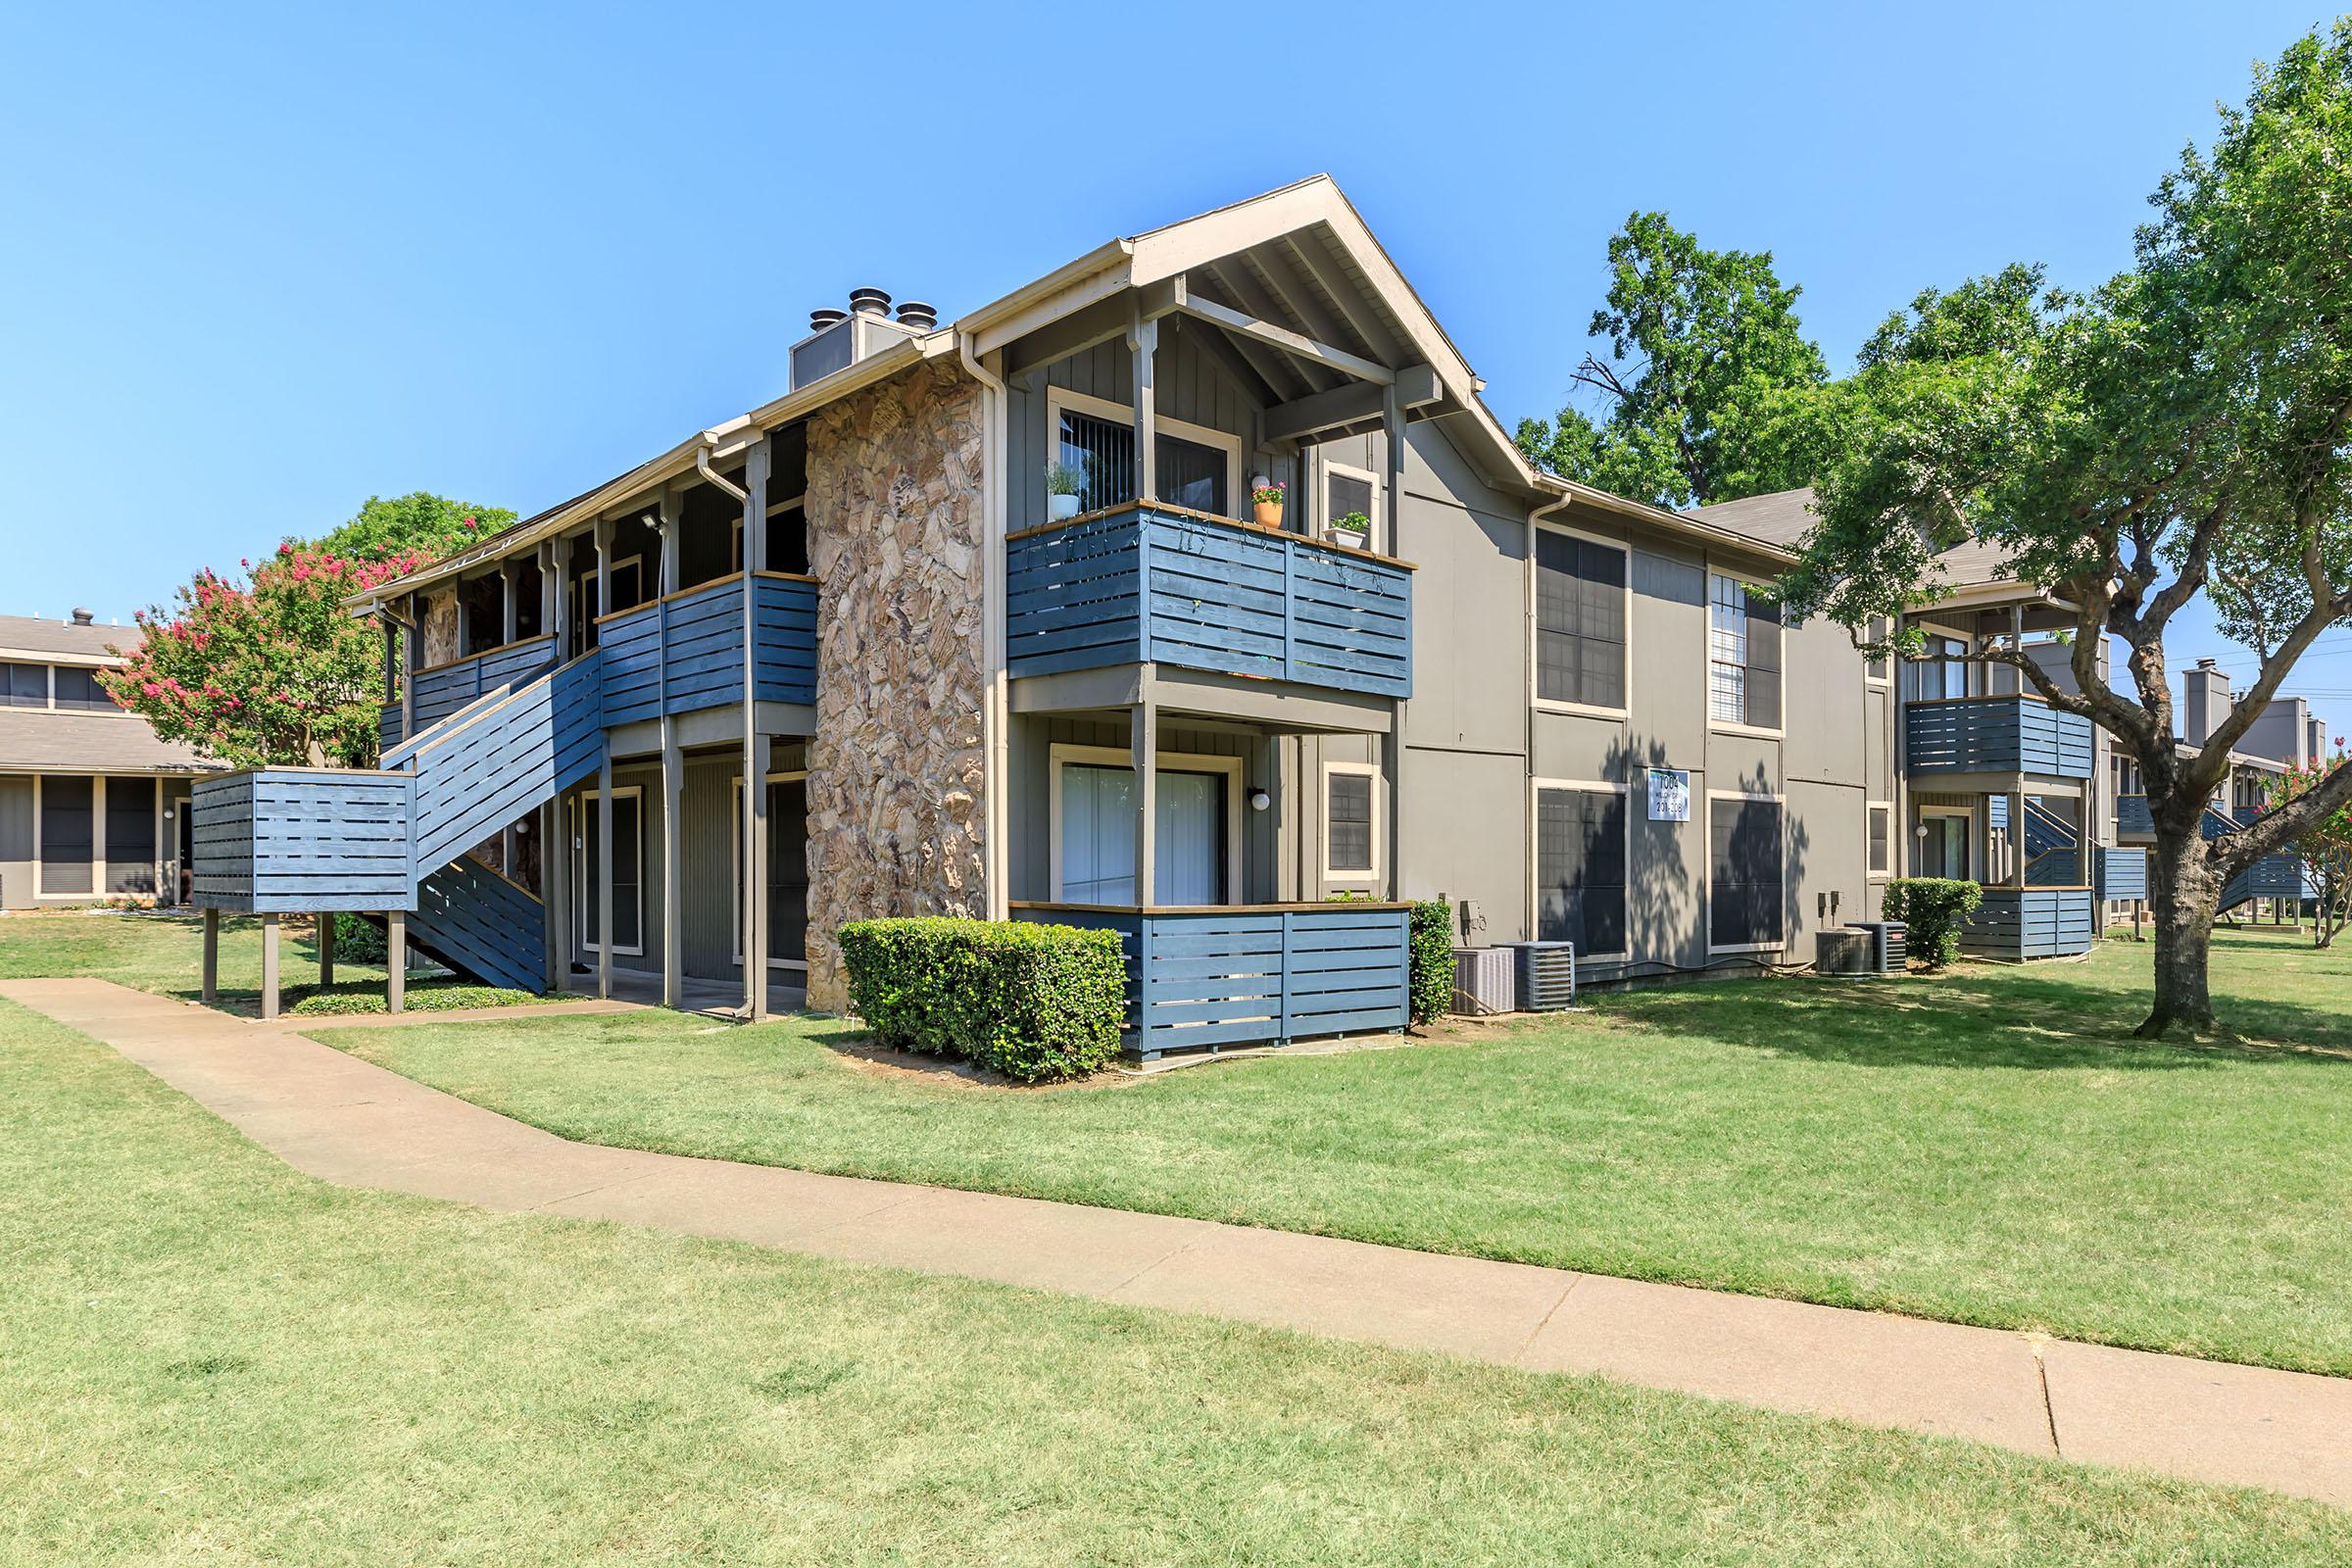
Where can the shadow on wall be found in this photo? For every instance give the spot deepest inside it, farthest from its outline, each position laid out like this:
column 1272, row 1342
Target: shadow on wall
column 1665, row 912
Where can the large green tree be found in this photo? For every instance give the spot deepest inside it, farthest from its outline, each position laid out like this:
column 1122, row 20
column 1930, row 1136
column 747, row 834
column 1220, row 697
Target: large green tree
column 420, row 523
column 1704, row 348
column 2181, row 430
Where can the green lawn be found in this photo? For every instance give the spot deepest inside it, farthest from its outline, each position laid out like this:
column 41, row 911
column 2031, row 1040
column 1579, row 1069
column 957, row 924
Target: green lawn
column 207, row 1358
column 1989, row 1149
column 163, row 951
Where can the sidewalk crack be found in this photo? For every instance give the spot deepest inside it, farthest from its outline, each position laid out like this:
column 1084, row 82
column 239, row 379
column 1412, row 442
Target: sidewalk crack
column 1520, row 1354
column 2042, row 1371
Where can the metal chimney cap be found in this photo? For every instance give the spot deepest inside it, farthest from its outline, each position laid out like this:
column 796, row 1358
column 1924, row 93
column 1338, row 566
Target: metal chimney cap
column 85, row 618
column 916, row 314
column 818, row 321
column 869, row 301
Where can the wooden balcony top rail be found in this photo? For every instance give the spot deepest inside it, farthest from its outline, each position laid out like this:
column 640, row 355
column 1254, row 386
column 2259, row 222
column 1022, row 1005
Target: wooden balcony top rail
column 1164, row 509
column 703, row 588
column 480, row 653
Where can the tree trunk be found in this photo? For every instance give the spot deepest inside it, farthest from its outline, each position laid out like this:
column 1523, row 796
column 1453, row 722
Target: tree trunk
column 2182, row 891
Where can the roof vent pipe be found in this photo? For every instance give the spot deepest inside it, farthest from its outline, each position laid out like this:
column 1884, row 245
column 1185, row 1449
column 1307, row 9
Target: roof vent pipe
column 818, row 321
column 85, row 618
column 915, row 314
column 870, row 302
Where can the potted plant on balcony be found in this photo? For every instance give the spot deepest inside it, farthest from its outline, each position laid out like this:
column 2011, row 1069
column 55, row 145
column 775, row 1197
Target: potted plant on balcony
column 1061, row 492
column 1353, row 529
column 1265, row 500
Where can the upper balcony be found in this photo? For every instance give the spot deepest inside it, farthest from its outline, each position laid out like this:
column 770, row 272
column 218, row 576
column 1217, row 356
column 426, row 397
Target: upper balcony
column 2006, row 735
column 1148, row 583
column 684, row 652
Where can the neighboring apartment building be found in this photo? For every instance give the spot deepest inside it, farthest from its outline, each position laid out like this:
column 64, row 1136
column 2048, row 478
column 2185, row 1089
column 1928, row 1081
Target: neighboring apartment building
column 960, row 694
column 92, row 804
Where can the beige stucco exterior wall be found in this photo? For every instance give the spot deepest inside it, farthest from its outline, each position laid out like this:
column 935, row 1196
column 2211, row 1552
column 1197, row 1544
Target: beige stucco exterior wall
column 894, row 782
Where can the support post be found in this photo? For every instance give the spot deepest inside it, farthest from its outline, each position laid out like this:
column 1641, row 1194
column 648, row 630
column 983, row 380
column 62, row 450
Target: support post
column 557, row 598
column 754, row 826
column 412, row 633
column 1144, row 741
column 555, row 870
column 212, row 954
column 326, row 948
column 510, row 614
column 269, row 967
column 396, row 959
column 1391, row 744
column 1144, row 338
column 604, row 875
column 673, row 935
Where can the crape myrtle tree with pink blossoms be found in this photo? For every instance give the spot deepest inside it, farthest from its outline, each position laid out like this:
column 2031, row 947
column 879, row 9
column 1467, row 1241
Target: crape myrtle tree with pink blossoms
column 2183, row 430
column 269, row 669
column 2324, row 847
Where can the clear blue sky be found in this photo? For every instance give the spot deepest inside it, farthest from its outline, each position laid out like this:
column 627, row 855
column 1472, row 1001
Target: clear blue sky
column 255, row 266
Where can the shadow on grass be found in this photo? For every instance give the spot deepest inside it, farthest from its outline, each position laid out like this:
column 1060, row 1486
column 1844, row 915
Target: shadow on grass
column 2059, row 1017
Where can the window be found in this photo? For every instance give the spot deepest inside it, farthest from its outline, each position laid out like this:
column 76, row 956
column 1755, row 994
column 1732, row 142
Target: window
column 1580, row 621
column 1196, row 468
column 1346, row 490
column 1743, row 655
column 1196, row 853
column 628, row 872
column 1350, row 840
column 66, row 835
column 79, row 688
column 1943, row 845
column 787, row 871
column 1580, row 870
column 131, row 835
column 23, row 685
column 1879, row 669
column 1939, row 673
column 788, row 535
column 1882, row 818
column 1746, row 901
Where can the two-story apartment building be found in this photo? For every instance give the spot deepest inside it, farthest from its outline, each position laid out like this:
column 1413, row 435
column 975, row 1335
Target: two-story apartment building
column 93, row 806
column 991, row 616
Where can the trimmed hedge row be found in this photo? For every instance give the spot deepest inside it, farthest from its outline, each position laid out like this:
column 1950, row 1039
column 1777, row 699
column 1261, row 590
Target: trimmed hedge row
column 1432, row 992
column 1937, row 909
column 1031, row 1000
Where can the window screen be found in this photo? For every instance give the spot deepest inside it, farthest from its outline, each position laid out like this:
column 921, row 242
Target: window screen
column 1579, row 620
column 1347, row 822
column 1191, row 474
column 788, row 869
column 23, row 685
column 1878, row 819
column 131, row 835
column 1743, row 655
column 79, row 688
column 66, row 837
column 1743, row 884
column 1579, row 868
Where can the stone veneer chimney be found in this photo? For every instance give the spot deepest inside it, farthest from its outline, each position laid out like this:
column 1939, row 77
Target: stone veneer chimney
column 894, row 541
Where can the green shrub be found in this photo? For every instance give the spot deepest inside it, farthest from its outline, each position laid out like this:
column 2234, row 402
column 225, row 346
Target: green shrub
column 348, row 997
column 1030, row 1000
column 1934, row 908
column 1433, row 959
column 357, row 942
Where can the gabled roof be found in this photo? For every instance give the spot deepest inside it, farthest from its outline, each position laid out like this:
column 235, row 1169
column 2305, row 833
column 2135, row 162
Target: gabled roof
column 1783, row 519
column 38, row 740
column 61, row 641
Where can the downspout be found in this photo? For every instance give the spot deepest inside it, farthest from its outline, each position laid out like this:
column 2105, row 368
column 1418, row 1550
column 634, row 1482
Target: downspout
column 996, row 744
column 1527, row 784
column 752, row 886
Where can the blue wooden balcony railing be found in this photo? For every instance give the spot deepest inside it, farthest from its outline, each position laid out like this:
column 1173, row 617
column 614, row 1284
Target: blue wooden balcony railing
column 685, row 651
column 1253, row 974
column 1995, row 735
column 1149, row 583
column 2123, row 873
column 443, row 689
column 2030, row 923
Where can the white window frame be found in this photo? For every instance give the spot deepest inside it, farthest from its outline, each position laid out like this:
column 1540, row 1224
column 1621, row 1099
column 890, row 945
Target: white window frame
column 735, row 868
column 1707, row 903
column 1063, row 753
column 1726, row 726
column 1535, row 632
column 1349, row 878
column 1060, row 398
column 1375, row 536
column 1887, row 872
column 1535, row 855
column 586, row 885
column 1968, row 814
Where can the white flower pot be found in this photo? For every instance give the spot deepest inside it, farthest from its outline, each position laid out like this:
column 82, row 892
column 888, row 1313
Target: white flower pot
column 1346, row 536
column 1060, row 509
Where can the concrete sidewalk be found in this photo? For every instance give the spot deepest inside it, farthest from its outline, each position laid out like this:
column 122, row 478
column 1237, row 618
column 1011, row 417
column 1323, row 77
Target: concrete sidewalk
column 346, row 1121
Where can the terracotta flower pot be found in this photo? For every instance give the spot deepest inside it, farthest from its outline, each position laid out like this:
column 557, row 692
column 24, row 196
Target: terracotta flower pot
column 1268, row 514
